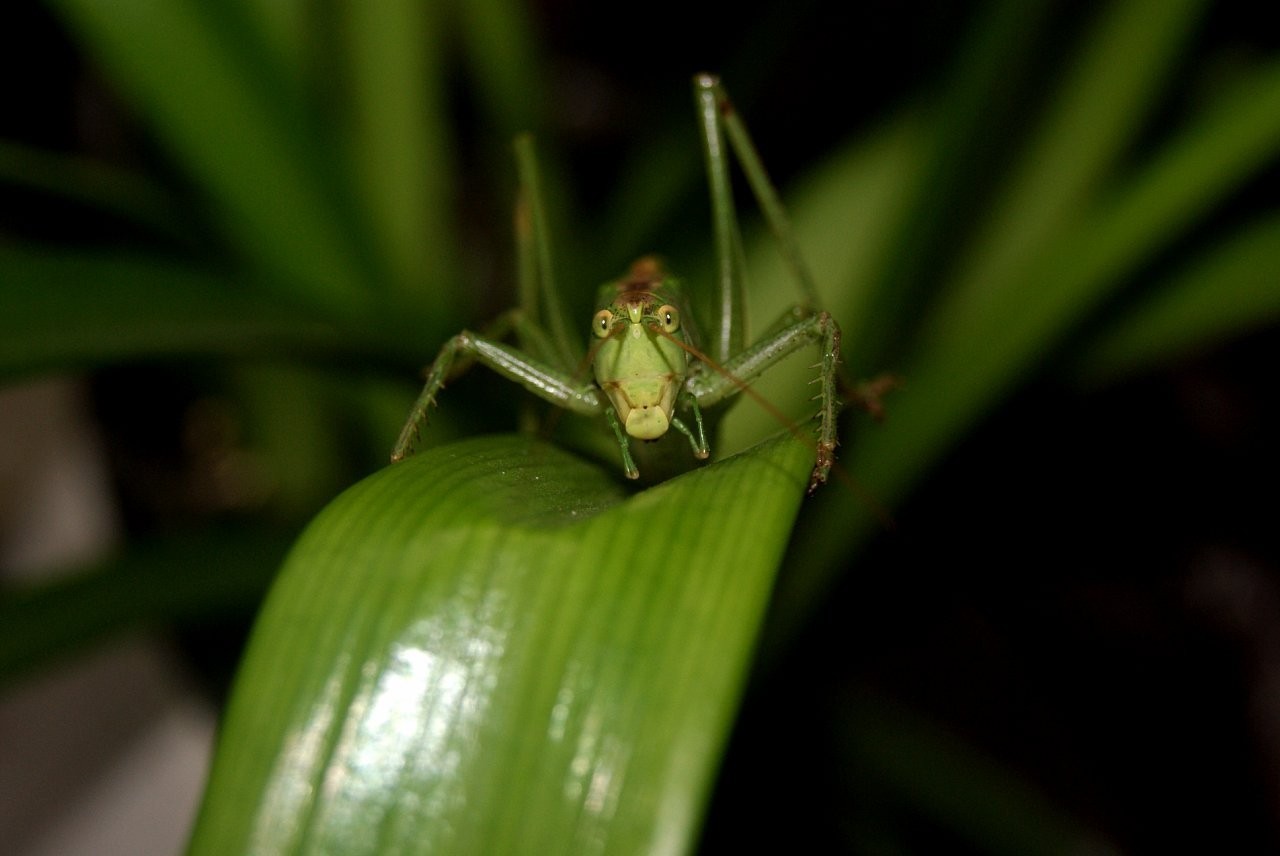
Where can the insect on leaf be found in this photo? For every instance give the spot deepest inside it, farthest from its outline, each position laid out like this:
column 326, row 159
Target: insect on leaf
column 452, row 662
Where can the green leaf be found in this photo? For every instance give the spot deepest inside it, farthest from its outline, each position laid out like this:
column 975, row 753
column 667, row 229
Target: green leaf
column 227, row 109
column 503, row 51
column 996, row 810
column 1113, row 83
column 286, row 29
column 64, row 309
column 961, row 150
column 162, row 582
column 492, row 649
column 982, row 347
column 399, row 137
column 991, row 341
column 1230, row 290
column 92, row 183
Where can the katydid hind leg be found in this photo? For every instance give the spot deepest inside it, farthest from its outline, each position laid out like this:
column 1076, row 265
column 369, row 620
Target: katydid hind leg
column 865, row 394
column 539, row 295
column 727, row 329
column 730, row 127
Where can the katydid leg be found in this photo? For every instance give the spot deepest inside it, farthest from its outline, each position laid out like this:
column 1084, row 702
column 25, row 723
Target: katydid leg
column 701, row 449
column 539, row 295
column 727, row 330
column 730, row 125
column 551, row 384
column 712, row 386
column 624, row 443
column 696, row 441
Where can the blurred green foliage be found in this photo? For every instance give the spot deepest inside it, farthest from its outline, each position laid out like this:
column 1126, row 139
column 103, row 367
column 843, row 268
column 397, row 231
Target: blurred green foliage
column 319, row 194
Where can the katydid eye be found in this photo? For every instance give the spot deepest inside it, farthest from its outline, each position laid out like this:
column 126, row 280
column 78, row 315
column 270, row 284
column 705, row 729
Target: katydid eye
column 601, row 323
column 669, row 318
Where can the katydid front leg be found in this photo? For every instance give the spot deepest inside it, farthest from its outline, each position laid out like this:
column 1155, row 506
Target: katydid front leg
column 546, row 382
column 710, row 387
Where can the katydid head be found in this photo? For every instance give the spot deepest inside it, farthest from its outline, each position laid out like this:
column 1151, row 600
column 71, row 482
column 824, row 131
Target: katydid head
column 636, row 362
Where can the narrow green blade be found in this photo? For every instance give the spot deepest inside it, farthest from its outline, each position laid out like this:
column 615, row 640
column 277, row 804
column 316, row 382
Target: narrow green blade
column 156, row 583
column 93, row 184
column 1228, row 291
column 82, row 309
column 1113, row 82
column 398, row 134
column 490, row 649
column 977, row 354
column 204, row 78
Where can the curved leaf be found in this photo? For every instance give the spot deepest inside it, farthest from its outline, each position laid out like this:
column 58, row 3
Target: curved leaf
column 491, row 649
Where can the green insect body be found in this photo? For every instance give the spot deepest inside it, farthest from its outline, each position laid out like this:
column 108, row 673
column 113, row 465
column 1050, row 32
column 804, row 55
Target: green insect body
column 651, row 374
column 641, row 360
column 640, row 370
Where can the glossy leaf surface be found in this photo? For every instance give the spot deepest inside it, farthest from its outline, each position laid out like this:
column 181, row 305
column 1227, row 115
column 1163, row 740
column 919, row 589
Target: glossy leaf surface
column 491, row 648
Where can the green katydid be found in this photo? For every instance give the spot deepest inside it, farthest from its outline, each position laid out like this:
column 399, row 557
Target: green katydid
column 651, row 373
